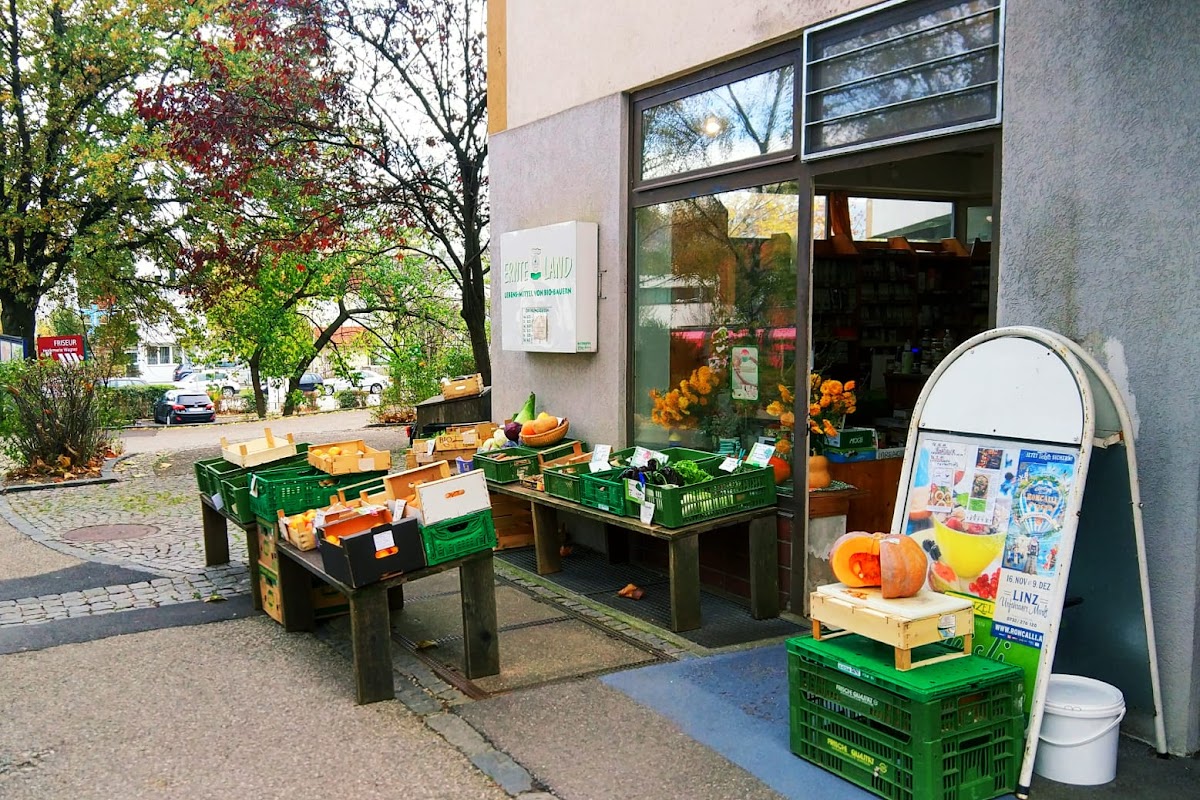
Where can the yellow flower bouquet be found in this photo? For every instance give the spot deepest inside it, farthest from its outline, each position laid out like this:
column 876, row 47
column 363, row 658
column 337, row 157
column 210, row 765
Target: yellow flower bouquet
column 829, row 402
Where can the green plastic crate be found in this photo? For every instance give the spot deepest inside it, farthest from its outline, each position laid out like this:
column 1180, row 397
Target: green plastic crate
column 979, row 764
column 211, row 471
column 726, row 493
column 293, row 491
column 605, row 492
column 458, row 537
column 673, row 454
column 566, row 481
column 508, row 465
column 201, row 470
column 235, row 498
column 217, row 470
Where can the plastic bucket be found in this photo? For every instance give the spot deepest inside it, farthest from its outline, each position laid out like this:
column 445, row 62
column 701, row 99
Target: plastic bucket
column 1078, row 740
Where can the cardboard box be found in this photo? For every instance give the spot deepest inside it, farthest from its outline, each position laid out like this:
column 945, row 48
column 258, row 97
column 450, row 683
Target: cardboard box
column 852, row 438
column 844, row 455
column 452, row 497
column 369, row 556
column 352, row 517
column 268, row 588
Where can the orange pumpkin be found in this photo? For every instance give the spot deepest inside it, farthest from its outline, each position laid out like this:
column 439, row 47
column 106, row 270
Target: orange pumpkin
column 893, row 562
column 783, row 470
column 818, row 472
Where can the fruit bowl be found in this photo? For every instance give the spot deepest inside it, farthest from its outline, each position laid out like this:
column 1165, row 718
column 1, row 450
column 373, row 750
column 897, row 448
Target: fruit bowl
column 552, row 436
column 968, row 554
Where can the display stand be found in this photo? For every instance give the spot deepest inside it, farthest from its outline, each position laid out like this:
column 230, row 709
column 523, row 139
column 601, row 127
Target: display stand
column 1020, row 447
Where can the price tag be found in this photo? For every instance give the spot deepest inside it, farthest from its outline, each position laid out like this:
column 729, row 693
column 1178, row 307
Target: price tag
column 597, row 466
column 470, row 438
column 217, row 502
column 429, row 446
column 600, row 454
column 254, row 485
column 635, row 490
column 729, row 464
column 760, row 454
column 640, row 456
column 366, row 464
column 384, row 540
column 661, row 458
column 647, row 513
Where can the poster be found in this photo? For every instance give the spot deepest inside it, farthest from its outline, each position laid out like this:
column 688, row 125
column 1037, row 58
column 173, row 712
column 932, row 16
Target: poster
column 989, row 514
column 744, row 373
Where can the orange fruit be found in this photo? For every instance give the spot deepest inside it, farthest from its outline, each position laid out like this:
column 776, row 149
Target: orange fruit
column 529, row 429
column 544, row 425
column 335, row 451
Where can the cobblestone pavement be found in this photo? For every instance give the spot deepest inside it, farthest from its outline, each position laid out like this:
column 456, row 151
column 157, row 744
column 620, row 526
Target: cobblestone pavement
column 151, row 492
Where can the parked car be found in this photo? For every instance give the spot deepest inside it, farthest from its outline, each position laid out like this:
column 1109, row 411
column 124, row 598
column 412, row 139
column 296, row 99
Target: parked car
column 200, row 381
column 180, row 406
column 311, row 382
column 182, row 371
column 365, row 379
column 118, row 383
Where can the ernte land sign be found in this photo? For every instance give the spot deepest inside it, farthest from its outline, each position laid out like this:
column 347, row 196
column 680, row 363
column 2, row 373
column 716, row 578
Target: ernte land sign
column 548, row 287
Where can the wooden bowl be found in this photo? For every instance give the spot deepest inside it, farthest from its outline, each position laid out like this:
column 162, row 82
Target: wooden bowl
column 552, row 436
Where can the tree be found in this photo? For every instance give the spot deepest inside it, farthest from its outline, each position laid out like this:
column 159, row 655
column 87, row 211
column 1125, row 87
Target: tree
column 419, row 85
column 78, row 191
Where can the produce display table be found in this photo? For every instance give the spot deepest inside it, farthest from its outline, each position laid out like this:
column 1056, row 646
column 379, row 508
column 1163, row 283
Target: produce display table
column 370, row 605
column 683, row 544
column 370, row 619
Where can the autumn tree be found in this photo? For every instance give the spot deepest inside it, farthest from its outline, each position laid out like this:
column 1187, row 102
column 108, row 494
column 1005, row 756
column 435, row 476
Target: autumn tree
column 419, row 88
column 78, row 193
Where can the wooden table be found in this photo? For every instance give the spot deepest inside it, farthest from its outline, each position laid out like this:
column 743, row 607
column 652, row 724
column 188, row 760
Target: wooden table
column 370, row 605
column 683, row 548
column 370, row 618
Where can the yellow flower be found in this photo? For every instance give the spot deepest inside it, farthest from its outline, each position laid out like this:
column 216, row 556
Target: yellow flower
column 775, row 408
column 785, row 394
column 849, row 387
column 825, row 401
column 788, row 419
column 783, row 447
column 814, row 409
column 832, row 388
column 829, row 429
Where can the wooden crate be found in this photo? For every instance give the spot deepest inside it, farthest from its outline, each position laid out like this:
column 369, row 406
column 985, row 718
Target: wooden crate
column 355, row 456
column 463, row 386
column 575, row 456
column 258, row 451
column 513, row 519
column 305, row 539
column 462, row 437
column 904, row 623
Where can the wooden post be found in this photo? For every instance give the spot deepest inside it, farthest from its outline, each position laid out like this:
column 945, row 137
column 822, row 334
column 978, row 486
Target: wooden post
column 545, row 539
column 685, row 583
column 216, row 536
column 371, row 640
column 764, row 569
column 295, row 595
column 481, row 638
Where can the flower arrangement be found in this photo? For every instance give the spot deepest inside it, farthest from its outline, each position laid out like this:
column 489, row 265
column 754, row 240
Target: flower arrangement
column 681, row 407
column 782, row 408
column 829, row 402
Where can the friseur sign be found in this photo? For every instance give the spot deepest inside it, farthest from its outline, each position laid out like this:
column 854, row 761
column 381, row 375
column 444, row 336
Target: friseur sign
column 61, row 348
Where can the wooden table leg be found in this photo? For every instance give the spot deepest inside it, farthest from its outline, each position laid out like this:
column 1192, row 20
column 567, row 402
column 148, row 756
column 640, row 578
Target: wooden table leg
column 396, row 597
column 685, row 583
column 371, row 641
column 764, row 569
column 295, row 595
column 481, row 638
column 216, row 536
column 545, row 539
column 252, row 556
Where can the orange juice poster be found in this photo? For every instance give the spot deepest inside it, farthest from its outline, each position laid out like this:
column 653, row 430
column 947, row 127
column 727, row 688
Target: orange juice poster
column 989, row 515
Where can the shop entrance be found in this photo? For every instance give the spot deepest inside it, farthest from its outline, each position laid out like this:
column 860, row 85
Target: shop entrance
column 903, row 253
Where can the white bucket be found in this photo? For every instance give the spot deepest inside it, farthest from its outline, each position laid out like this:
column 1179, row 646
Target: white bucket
column 1078, row 740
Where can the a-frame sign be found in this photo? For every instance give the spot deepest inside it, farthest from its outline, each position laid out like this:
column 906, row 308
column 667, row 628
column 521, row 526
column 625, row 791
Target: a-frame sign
column 1020, row 480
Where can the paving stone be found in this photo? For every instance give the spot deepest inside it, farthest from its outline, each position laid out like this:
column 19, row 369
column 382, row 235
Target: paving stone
column 512, row 777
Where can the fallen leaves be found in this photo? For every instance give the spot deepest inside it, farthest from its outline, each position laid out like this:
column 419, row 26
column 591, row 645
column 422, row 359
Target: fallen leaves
column 632, row 591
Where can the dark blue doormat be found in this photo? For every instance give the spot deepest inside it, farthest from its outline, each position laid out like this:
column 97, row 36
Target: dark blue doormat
column 724, row 622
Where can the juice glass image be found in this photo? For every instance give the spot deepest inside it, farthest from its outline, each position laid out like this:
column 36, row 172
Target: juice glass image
column 968, row 554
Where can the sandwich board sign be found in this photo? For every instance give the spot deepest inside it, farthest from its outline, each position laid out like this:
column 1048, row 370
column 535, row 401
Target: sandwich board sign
column 1020, row 482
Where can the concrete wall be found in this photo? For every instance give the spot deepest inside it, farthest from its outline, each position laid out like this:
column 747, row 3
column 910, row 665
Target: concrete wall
column 1100, row 191
column 558, row 59
column 570, row 166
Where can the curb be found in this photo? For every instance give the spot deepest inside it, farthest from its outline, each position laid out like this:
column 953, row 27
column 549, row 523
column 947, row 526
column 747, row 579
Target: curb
column 106, row 476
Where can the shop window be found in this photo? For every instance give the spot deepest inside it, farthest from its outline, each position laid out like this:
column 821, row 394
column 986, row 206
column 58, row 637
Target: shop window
column 820, row 217
column 879, row 219
column 708, row 363
column 739, row 120
column 979, row 223
column 912, row 69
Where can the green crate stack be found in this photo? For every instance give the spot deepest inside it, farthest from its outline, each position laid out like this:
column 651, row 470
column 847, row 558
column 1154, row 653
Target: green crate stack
column 201, row 470
column 211, row 471
column 235, row 497
column 726, row 493
column 947, row 731
column 458, row 537
column 299, row 490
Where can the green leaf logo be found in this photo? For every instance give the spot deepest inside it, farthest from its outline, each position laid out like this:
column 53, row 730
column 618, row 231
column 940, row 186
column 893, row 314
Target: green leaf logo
column 535, row 276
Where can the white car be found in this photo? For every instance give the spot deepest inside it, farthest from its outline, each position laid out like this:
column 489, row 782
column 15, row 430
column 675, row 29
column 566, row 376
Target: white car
column 200, row 381
column 365, row 379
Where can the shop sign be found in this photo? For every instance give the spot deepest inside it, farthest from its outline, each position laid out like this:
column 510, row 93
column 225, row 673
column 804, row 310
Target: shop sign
column 61, row 348
column 548, row 288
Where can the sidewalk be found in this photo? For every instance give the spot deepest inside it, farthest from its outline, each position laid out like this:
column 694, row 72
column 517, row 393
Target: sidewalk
column 201, row 699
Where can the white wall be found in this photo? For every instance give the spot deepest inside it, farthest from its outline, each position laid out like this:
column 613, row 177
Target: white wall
column 563, row 53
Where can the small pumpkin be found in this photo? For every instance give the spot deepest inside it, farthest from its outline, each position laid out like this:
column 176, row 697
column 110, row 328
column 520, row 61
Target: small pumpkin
column 893, row 562
column 783, row 470
column 818, row 472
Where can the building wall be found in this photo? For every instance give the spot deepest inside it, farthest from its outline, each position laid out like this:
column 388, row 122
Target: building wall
column 569, row 166
column 558, row 60
column 1100, row 186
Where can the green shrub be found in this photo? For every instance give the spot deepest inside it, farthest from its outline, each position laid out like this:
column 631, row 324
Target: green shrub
column 351, row 398
column 51, row 415
column 127, row 404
